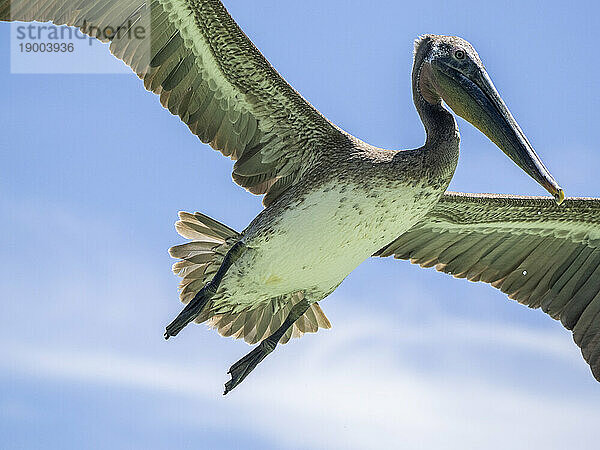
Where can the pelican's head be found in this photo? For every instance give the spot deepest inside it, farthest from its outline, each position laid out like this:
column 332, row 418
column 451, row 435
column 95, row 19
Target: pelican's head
column 449, row 69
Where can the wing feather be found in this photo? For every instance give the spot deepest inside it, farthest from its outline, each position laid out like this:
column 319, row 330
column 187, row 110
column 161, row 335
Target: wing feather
column 207, row 71
column 540, row 254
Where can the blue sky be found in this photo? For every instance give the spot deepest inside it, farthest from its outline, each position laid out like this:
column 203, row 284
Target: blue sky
column 93, row 172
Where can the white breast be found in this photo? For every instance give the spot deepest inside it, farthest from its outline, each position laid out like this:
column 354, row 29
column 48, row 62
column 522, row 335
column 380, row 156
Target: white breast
column 320, row 240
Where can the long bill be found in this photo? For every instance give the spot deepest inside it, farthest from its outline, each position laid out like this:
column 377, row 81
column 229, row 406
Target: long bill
column 478, row 101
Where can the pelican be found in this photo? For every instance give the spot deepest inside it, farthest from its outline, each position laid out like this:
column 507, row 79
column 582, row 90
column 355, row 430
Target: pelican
column 331, row 200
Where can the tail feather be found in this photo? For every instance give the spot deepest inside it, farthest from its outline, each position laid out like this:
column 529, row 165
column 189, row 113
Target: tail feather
column 203, row 228
column 257, row 323
column 201, row 257
column 199, row 260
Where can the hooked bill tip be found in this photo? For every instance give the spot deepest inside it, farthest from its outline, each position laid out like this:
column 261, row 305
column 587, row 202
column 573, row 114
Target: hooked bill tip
column 559, row 196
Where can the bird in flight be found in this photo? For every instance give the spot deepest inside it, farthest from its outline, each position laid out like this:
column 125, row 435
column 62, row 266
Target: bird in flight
column 331, row 200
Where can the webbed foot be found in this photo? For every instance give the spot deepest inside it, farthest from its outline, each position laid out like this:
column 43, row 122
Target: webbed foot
column 191, row 310
column 244, row 366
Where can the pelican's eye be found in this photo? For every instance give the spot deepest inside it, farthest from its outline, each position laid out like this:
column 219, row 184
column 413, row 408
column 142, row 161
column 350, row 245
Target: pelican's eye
column 459, row 54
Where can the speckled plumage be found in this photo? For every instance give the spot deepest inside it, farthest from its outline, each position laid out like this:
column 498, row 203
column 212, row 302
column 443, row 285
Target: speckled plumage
column 332, row 200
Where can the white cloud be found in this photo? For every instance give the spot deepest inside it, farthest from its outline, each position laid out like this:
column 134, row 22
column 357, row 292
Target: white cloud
column 322, row 392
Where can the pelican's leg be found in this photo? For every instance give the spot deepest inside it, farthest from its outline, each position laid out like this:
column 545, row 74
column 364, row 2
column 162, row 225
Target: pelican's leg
column 193, row 308
column 244, row 366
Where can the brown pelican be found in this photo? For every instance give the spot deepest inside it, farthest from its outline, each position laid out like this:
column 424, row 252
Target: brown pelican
column 331, row 200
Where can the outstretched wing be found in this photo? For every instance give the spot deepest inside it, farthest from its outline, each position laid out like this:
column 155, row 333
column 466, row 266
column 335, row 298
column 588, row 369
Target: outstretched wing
column 207, row 71
column 540, row 254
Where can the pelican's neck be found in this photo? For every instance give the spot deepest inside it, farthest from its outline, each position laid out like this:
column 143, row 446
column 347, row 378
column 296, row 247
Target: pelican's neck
column 441, row 147
column 439, row 123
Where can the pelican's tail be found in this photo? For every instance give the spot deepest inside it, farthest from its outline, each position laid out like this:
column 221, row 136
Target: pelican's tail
column 203, row 255
column 199, row 261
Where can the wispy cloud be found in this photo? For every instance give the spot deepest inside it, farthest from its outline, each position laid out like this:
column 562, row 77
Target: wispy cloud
column 322, row 392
